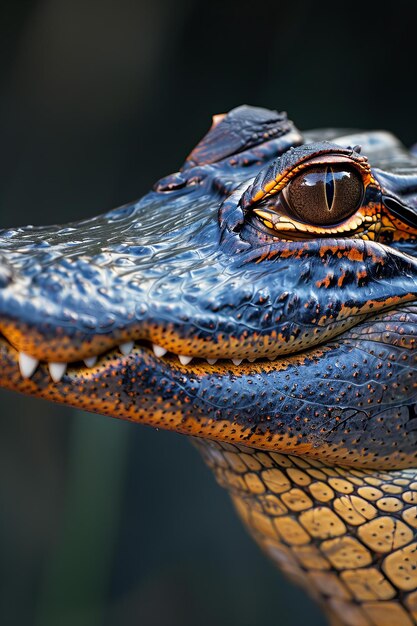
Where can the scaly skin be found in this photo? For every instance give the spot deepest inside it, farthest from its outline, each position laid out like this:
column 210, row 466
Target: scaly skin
column 346, row 535
column 314, row 433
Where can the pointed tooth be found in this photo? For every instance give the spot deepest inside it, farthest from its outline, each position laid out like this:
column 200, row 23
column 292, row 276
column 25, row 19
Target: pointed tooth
column 57, row 370
column 126, row 348
column 27, row 364
column 158, row 350
column 91, row 361
column 252, row 359
column 237, row 361
column 212, row 361
column 184, row 360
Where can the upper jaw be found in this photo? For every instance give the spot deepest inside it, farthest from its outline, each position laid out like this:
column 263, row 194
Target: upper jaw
column 234, row 324
column 160, row 272
column 56, row 370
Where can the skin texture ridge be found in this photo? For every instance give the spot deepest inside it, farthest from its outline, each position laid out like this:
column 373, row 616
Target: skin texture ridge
column 262, row 299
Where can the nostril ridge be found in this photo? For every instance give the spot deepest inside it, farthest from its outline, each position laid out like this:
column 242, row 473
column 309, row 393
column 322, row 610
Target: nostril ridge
column 6, row 275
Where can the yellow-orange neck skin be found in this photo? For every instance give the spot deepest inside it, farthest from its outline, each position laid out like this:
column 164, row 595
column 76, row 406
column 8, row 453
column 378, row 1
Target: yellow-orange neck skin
column 346, row 535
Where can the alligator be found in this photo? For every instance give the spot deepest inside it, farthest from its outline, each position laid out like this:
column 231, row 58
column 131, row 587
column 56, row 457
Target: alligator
column 263, row 301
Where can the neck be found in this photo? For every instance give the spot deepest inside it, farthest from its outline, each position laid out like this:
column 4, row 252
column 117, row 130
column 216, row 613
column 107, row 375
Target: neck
column 347, row 536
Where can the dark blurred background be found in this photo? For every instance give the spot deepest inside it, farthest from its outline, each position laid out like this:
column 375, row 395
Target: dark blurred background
column 103, row 522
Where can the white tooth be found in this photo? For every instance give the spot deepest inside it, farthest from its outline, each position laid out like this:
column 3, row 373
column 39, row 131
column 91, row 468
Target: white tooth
column 252, row 359
column 184, row 360
column 212, row 361
column 237, row 361
column 126, row 348
column 27, row 364
column 57, row 370
column 91, row 361
column 158, row 351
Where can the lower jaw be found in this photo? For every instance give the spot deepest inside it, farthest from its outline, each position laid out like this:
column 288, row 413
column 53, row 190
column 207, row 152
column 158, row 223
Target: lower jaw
column 138, row 387
column 104, row 389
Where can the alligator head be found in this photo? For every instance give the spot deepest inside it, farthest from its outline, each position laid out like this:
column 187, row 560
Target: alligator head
column 264, row 294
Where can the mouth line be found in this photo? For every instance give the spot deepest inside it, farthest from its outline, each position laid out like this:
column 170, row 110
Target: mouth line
column 28, row 364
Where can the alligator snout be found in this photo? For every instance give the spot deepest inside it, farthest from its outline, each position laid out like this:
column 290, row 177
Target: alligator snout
column 208, row 308
column 70, row 294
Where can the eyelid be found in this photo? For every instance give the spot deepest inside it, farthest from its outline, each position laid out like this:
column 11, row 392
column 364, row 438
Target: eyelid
column 284, row 223
column 269, row 185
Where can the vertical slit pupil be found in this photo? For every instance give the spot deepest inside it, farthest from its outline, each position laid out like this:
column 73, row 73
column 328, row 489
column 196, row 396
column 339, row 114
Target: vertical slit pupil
column 329, row 181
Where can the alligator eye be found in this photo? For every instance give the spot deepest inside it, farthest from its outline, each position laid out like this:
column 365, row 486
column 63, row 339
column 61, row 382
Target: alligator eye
column 325, row 195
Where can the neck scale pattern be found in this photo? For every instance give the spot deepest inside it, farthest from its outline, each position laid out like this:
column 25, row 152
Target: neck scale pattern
column 347, row 536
